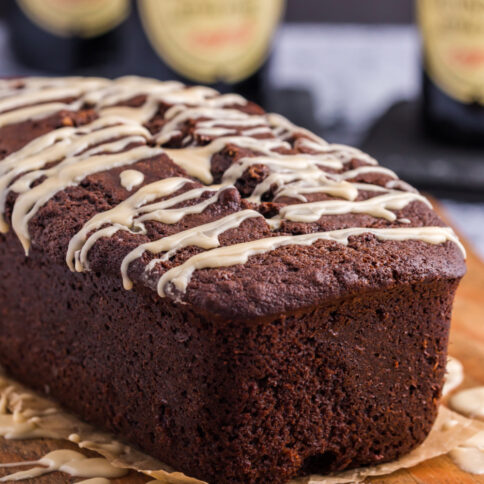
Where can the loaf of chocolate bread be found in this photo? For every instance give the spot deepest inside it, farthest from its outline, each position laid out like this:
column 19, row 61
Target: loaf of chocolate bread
column 217, row 286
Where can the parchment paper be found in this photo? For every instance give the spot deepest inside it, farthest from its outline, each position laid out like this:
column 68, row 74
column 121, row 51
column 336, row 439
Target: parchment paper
column 43, row 417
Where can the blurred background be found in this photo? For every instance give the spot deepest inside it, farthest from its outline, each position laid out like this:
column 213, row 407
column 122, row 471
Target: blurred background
column 403, row 80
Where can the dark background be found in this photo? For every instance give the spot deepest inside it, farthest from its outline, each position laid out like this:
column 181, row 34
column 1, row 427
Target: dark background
column 352, row 11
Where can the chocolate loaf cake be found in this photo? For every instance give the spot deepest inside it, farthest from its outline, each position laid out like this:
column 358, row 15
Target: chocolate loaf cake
column 286, row 302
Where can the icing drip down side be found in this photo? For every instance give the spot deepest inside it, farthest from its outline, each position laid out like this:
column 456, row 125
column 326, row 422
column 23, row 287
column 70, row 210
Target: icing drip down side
column 290, row 181
column 69, row 461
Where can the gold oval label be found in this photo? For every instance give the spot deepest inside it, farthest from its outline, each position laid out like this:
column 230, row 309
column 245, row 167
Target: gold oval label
column 85, row 18
column 211, row 40
column 453, row 38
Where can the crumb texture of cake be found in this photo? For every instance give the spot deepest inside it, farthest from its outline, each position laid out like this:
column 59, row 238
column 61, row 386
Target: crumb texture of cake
column 224, row 289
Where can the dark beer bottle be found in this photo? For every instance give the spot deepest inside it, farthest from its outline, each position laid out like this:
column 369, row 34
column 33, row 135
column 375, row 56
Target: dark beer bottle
column 453, row 72
column 68, row 36
column 220, row 43
column 223, row 43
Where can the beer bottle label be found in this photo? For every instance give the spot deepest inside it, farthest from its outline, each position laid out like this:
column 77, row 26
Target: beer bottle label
column 84, row 18
column 211, row 40
column 453, row 39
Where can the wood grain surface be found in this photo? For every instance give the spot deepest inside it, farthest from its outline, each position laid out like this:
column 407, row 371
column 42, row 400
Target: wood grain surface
column 466, row 344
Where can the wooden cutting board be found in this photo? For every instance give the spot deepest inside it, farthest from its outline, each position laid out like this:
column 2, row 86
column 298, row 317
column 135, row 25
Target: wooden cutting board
column 466, row 344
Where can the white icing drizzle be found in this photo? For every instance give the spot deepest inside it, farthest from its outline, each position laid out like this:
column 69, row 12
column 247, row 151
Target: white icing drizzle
column 380, row 206
column 35, row 112
column 196, row 161
column 294, row 175
column 102, row 93
column 131, row 178
column 22, row 424
column 258, row 131
column 216, row 131
column 296, row 189
column 113, row 446
column 35, row 84
column 32, row 417
column 128, row 87
column 178, row 114
column 69, row 461
column 156, row 92
column 24, row 183
column 94, row 480
column 347, row 175
column 469, row 456
column 454, row 375
column 239, row 121
column 285, row 129
column 130, row 214
column 66, row 174
column 16, row 427
column 469, row 402
column 49, row 94
column 121, row 92
column 64, row 157
column 296, row 165
column 204, row 236
column 231, row 255
column 399, row 185
column 228, row 126
column 68, row 144
column 37, row 90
